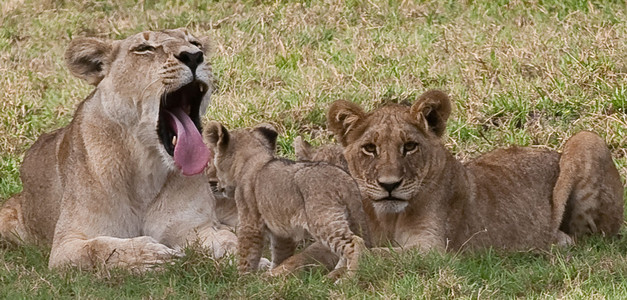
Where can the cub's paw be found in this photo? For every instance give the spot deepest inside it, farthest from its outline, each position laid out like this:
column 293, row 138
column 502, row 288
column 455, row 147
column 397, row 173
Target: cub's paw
column 563, row 240
column 264, row 264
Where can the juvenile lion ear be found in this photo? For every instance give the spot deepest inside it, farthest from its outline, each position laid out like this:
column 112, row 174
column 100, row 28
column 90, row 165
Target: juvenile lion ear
column 433, row 109
column 205, row 41
column 268, row 133
column 302, row 149
column 342, row 118
column 216, row 135
column 89, row 58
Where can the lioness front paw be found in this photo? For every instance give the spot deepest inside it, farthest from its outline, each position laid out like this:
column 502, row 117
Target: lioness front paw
column 146, row 253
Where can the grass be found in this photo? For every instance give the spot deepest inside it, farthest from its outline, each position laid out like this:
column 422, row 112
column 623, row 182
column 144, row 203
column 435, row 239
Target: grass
column 519, row 72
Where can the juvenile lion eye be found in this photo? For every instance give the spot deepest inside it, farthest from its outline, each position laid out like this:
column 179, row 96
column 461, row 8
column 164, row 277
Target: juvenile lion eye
column 196, row 43
column 143, row 48
column 409, row 147
column 369, row 149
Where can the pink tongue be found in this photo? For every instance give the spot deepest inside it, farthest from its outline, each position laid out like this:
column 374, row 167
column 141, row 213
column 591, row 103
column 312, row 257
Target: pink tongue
column 191, row 155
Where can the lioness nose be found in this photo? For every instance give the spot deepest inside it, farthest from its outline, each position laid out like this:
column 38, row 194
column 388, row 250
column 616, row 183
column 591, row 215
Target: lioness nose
column 192, row 60
column 389, row 185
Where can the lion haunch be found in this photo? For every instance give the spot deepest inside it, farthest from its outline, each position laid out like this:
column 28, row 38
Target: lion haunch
column 289, row 199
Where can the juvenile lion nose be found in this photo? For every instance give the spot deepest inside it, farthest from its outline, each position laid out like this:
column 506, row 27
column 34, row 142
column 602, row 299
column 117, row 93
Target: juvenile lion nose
column 192, row 60
column 389, row 185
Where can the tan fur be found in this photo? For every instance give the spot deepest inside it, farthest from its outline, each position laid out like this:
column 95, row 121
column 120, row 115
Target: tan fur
column 328, row 153
column 516, row 198
column 103, row 190
column 288, row 199
column 226, row 208
column 585, row 197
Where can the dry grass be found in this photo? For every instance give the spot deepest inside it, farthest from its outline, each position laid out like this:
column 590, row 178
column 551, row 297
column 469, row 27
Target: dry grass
column 520, row 72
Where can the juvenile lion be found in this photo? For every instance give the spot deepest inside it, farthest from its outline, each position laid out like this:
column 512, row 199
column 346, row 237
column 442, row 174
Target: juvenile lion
column 122, row 184
column 286, row 198
column 331, row 153
column 515, row 198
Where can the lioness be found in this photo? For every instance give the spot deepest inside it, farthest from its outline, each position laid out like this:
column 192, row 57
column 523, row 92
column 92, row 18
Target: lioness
column 119, row 186
column 516, row 198
column 287, row 199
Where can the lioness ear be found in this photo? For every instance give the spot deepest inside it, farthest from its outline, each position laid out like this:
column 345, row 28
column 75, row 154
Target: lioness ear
column 268, row 133
column 432, row 109
column 302, row 149
column 216, row 135
column 342, row 118
column 89, row 58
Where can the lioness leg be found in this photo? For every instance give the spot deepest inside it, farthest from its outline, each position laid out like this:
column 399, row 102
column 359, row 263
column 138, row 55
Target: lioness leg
column 139, row 253
column 12, row 227
column 183, row 215
column 219, row 239
column 588, row 194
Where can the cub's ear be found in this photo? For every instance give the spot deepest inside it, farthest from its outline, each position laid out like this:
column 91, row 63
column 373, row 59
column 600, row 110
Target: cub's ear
column 267, row 133
column 432, row 109
column 216, row 135
column 89, row 58
column 302, row 149
column 343, row 116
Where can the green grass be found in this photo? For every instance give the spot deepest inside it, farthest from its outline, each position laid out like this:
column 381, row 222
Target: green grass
column 519, row 72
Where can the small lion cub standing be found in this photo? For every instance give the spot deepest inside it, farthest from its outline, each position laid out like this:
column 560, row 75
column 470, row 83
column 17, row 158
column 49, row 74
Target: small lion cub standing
column 287, row 198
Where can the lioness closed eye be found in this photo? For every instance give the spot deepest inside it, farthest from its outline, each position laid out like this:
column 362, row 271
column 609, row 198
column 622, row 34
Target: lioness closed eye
column 122, row 184
column 287, row 198
column 515, row 198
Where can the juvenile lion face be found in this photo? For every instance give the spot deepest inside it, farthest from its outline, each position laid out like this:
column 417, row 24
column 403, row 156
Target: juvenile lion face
column 392, row 151
column 239, row 149
column 155, row 82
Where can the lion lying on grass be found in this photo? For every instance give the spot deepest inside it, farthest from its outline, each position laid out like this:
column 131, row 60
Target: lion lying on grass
column 122, row 184
column 516, row 198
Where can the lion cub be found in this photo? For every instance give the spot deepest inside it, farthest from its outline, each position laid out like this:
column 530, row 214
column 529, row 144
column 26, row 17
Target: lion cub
column 287, row 199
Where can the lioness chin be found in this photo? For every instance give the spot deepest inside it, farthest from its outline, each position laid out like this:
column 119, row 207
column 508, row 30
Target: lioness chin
column 122, row 184
column 516, row 198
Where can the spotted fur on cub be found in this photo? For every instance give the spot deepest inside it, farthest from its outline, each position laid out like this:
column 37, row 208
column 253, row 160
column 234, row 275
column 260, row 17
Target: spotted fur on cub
column 287, row 199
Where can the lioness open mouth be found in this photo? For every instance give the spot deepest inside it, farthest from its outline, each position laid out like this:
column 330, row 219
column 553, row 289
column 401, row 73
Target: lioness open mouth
column 179, row 127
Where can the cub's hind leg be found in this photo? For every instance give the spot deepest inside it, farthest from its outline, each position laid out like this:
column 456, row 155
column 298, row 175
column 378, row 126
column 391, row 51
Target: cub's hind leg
column 588, row 195
column 334, row 232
